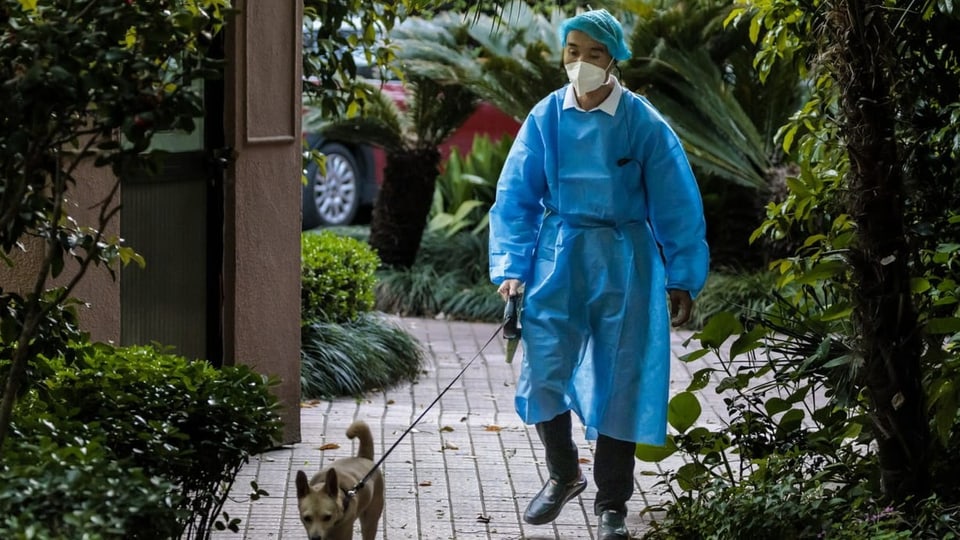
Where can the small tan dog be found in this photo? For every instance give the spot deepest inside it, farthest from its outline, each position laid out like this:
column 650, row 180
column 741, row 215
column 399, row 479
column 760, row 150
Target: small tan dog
column 326, row 510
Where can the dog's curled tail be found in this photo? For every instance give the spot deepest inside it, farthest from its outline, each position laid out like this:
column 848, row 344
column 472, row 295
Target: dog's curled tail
column 362, row 430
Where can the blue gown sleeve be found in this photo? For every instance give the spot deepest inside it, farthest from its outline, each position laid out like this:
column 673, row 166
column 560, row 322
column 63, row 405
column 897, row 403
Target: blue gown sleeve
column 675, row 211
column 517, row 212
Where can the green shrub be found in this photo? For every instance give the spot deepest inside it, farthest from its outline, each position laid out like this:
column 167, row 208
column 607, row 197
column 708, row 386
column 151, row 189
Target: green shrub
column 338, row 276
column 352, row 358
column 60, row 481
column 59, row 328
column 449, row 278
column 184, row 422
column 417, row 291
column 745, row 294
column 479, row 302
column 463, row 255
column 466, row 188
column 781, row 500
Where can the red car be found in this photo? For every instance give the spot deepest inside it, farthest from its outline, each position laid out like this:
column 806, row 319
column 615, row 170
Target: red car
column 354, row 171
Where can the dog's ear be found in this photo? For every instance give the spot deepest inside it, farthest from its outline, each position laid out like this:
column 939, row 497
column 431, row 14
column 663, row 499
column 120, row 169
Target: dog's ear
column 303, row 486
column 332, row 484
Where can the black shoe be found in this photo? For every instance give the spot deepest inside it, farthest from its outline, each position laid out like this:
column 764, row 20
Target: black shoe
column 612, row 526
column 546, row 506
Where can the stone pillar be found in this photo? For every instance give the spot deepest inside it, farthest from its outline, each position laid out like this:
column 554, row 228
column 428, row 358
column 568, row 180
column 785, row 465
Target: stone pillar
column 261, row 310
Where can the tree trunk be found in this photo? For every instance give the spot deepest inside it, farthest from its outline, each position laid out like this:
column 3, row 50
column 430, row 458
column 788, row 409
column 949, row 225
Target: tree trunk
column 884, row 313
column 403, row 204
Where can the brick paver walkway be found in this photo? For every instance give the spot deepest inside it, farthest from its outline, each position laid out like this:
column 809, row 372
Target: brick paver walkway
column 466, row 472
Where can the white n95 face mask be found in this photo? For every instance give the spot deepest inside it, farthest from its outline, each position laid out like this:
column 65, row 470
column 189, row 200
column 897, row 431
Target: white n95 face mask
column 585, row 77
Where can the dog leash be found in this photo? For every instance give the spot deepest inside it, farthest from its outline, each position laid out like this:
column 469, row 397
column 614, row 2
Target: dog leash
column 353, row 491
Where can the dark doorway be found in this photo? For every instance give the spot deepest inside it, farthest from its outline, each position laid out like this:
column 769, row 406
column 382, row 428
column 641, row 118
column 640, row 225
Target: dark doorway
column 174, row 219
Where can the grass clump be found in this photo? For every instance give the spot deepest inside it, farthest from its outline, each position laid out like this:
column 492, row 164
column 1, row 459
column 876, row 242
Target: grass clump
column 346, row 349
column 745, row 294
column 355, row 357
column 449, row 279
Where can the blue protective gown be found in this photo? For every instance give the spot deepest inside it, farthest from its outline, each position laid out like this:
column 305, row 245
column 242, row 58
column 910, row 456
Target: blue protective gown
column 598, row 215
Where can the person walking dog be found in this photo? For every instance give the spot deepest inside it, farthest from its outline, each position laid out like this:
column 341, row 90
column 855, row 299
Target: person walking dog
column 599, row 220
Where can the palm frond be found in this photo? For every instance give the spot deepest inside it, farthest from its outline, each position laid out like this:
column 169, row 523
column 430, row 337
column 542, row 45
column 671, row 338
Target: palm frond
column 437, row 109
column 380, row 121
column 510, row 62
column 697, row 72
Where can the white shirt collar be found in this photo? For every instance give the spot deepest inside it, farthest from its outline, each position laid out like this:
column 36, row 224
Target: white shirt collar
column 608, row 105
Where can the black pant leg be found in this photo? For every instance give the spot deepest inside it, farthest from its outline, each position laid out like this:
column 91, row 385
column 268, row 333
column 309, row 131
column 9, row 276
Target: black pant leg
column 613, row 472
column 561, row 452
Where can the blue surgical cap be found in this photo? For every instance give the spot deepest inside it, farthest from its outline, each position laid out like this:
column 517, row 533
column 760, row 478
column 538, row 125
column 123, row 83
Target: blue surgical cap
column 600, row 25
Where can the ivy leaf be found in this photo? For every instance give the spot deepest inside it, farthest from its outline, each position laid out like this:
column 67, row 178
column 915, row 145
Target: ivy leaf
column 823, row 271
column 684, row 409
column 653, row 454
column 691, row 476
column 836, row 312
column 690, row 357
column 919, row 285
column 776, row 405
column 700, row 379
column 747, row 342
column 943, row 325
column 720, row 327
column 790, row 422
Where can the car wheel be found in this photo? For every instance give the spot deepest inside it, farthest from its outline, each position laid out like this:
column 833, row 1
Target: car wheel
column 332, row 199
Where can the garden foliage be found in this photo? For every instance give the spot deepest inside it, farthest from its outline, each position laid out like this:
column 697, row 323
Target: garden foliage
column 85, row 83
column 831, row 390
column 511, row 60
column 449, row 280
column 467, row 185
column 131, row 443
column 362, row 355
column 345, row 349
column 337, row 277
column 450, row 274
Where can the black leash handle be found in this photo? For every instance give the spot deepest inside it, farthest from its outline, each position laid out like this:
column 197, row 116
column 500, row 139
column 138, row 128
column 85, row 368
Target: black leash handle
column 363, row 481
column 511, row 318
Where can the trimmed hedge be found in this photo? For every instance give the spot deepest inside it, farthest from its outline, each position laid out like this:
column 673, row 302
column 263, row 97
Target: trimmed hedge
column 131, row 443
column 61, row 481
column 346, row 348
column 337, row 277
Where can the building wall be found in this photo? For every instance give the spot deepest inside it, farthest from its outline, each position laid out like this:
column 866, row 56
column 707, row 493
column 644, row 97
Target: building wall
column 262, row 239
column 97, row 289
column 261, row 273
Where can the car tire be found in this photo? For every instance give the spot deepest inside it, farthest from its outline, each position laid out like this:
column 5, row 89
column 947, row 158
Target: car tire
column 334, row 198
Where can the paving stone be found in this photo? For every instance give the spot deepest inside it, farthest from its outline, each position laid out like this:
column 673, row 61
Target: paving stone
column 466, row 471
